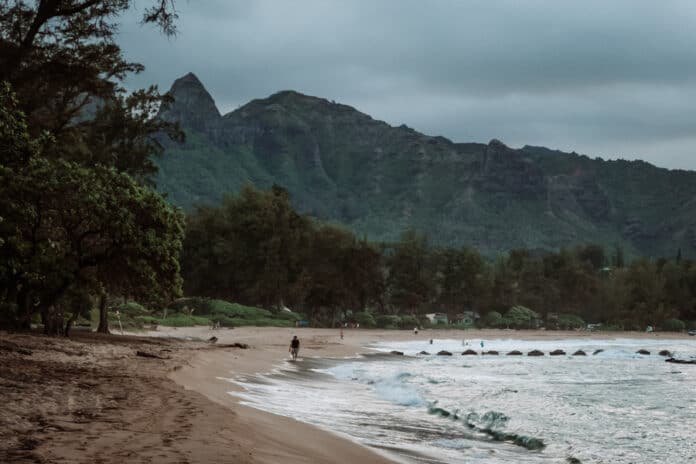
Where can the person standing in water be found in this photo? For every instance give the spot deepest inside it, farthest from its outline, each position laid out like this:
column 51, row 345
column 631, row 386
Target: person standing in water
column 294, row 347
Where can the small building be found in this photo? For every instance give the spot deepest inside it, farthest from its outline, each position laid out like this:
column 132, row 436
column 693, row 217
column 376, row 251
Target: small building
column 437, row 318
column 466, row 317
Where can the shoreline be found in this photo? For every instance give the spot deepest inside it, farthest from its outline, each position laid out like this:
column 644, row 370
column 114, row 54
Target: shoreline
column 278, row 438
column 92, row 398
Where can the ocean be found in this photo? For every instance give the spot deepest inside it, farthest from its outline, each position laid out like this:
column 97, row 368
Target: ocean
column 615, row 406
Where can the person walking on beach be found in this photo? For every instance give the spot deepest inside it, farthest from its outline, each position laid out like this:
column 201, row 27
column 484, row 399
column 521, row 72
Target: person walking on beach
column 294, row 347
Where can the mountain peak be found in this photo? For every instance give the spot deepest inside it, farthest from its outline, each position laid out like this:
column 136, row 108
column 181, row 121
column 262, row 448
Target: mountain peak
column 193, row 107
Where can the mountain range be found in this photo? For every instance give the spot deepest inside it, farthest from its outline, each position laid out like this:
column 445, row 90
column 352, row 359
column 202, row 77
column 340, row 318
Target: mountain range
column 343, row 166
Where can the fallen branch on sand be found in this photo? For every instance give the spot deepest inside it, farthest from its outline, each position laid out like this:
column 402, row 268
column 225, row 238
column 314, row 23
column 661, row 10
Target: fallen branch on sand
column 243, row 346
column 145, row 354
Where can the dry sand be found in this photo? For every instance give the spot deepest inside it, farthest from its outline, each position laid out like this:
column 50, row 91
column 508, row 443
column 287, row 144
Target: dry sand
column 91, row 399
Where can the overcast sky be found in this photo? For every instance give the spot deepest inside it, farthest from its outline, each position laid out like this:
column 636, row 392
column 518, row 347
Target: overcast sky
column 615, row 79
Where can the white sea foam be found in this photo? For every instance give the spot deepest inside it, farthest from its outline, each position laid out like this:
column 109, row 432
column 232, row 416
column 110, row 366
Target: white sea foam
column 615, row 407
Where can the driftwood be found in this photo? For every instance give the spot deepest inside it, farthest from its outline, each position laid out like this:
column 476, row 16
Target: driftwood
column 145, row 354
column 243, row 346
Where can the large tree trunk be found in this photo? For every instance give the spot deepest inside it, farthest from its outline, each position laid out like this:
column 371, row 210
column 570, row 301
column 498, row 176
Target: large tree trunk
column 70, row 322
column 52, row 319
column 103, row 316
column 24, row 311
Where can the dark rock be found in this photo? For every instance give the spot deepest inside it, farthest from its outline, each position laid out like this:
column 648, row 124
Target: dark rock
column 469, row 353
column 665, row 353
column 642, row 352
column 492, row 353
column 515, row 353
column 680, row 361
column 398, row 353
column 579, row 353
column 597, row 351
column 535, row 353
column 557, row 353
column 423, row 352
column 213, row 339
column 444, row 353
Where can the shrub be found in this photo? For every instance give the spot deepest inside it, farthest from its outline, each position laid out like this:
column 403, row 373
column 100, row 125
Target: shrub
column 408, row 322
column 193, row 305
column 673, row 325
column 491, row 319
column 570, row 321
column 520, row 317
column 184, row 320
column 131, row 308
column 365, row 319
column 385, row 321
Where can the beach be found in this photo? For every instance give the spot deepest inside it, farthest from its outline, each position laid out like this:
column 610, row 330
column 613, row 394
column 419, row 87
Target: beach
column 94, row 399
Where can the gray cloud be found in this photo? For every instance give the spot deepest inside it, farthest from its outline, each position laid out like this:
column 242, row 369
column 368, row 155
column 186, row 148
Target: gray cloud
column 611, row 79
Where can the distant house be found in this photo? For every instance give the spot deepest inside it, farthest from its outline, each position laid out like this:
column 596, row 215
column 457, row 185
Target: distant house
column 466, row 317
column 437, row 318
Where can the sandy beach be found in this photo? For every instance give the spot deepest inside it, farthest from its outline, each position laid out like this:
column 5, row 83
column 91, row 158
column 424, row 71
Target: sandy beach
column 93, row 399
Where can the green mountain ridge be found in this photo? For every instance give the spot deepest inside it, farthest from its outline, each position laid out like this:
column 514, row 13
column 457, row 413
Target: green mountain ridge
column 344, row 166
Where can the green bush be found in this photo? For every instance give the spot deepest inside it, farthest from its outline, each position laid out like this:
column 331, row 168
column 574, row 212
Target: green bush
column 227, row 314
column 409, row 322
column 491, row 319
column 131, row 308
column 520, row 317
column 673, row 325
column 193, row 305
column 184, row 320
column 570, row 322
column 365, row 319
column 385, row 321
column 691, row 325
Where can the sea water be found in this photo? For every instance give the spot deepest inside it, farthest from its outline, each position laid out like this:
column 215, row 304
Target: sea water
column 613, row 407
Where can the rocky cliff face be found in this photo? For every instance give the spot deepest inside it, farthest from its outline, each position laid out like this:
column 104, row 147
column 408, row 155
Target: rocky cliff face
column 342, row 165
column 192, row 106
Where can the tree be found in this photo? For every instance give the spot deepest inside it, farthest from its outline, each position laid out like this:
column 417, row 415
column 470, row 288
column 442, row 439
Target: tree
column 66, row 226
column 250, row 250
column 411, row 279
column 461, row 279
column 61, row 55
